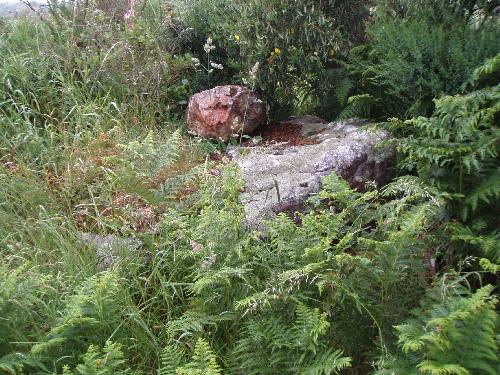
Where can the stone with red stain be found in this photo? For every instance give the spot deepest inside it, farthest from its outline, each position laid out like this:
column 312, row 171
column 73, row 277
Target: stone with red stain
column 225, row 112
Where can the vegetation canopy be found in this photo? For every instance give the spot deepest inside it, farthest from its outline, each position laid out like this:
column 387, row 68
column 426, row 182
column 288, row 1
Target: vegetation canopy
column 122, row 244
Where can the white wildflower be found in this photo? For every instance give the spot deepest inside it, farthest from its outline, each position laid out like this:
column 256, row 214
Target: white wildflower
column 208, row 45
column 130, row 13
column 207, row 263
column 254, row 70
column 216, row 66
column 197, row 247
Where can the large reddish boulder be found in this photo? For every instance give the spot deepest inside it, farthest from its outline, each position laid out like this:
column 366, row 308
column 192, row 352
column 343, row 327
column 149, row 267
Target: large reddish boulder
column 225, row 112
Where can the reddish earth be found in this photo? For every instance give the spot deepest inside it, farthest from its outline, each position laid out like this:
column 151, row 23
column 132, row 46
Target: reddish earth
column 281, row 132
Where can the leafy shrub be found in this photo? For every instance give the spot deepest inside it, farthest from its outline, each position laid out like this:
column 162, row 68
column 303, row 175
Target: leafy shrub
column 373, row 273
column 450, row 334
column 293, row 41
column 422, row 51
column 456, row 150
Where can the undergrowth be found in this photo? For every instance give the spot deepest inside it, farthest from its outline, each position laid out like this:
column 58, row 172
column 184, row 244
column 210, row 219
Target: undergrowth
column 124, row 249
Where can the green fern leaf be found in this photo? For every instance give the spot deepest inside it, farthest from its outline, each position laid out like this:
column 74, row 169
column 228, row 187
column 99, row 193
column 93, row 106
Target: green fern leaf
column 170, row 361
column 203, row 363
column 456, row 336
column 325, row 363
column 435, row 368
column 359, row 106
column 487, row 189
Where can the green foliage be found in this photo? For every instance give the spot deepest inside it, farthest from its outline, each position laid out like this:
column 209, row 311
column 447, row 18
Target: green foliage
column 22, row 292
column 358, row 106
column 293, row 41
column 109, row 360
column 170, row 361
column 461, row 140
column 94, row 314
column 487, row 244
column 449, row 335
column 422, row 51
column 203, row 362
column 456, row 150
column 269, row 345
column 358, row 258
column 147, row 157
column 85, row 93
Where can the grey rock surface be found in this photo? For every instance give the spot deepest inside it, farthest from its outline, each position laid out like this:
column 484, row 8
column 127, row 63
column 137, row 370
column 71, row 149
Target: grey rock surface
column 110, row 248
column 280, row 179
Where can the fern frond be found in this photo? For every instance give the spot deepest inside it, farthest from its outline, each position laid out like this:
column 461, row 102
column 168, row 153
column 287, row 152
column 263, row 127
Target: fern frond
column 309, row 325
column 489, row 244
column 193, row 324
column 271, row 344
column 213, row 279
column 108, row 360
column 488, row 188
column 148, row 157
column 484, row 72
column 170, row 361
column 454, row 336
column 343, row 89
column 324, row 363
column 11, row 364
column 435, row 368
column 489, row 266
column 15, row 362
column 204, row 361
column 358, row 106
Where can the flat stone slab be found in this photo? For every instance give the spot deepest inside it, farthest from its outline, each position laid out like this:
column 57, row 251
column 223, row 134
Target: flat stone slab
column 280, row 178
column 109, row 248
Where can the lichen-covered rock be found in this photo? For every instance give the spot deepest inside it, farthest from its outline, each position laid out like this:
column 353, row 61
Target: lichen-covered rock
column 225, row 112
column 110, row 249
column 280, row 179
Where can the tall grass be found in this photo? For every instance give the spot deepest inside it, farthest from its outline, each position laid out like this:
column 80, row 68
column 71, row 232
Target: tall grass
column 74, row 87
column 123, row 252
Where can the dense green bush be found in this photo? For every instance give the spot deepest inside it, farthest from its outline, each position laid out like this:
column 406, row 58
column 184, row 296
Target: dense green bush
column 294, row 43
column 434, row 341
column 456, row 150
column 85, row 147
column 421, row 51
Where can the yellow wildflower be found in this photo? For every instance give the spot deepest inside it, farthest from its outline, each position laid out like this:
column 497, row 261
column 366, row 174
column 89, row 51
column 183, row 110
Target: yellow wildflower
column 237, row 37
column 292, row 30
column 277, row 50
column 332, row 52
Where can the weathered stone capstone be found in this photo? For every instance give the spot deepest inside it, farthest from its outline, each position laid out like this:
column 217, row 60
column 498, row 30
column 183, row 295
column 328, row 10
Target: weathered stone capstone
column 281, row 179
column 225, row 112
